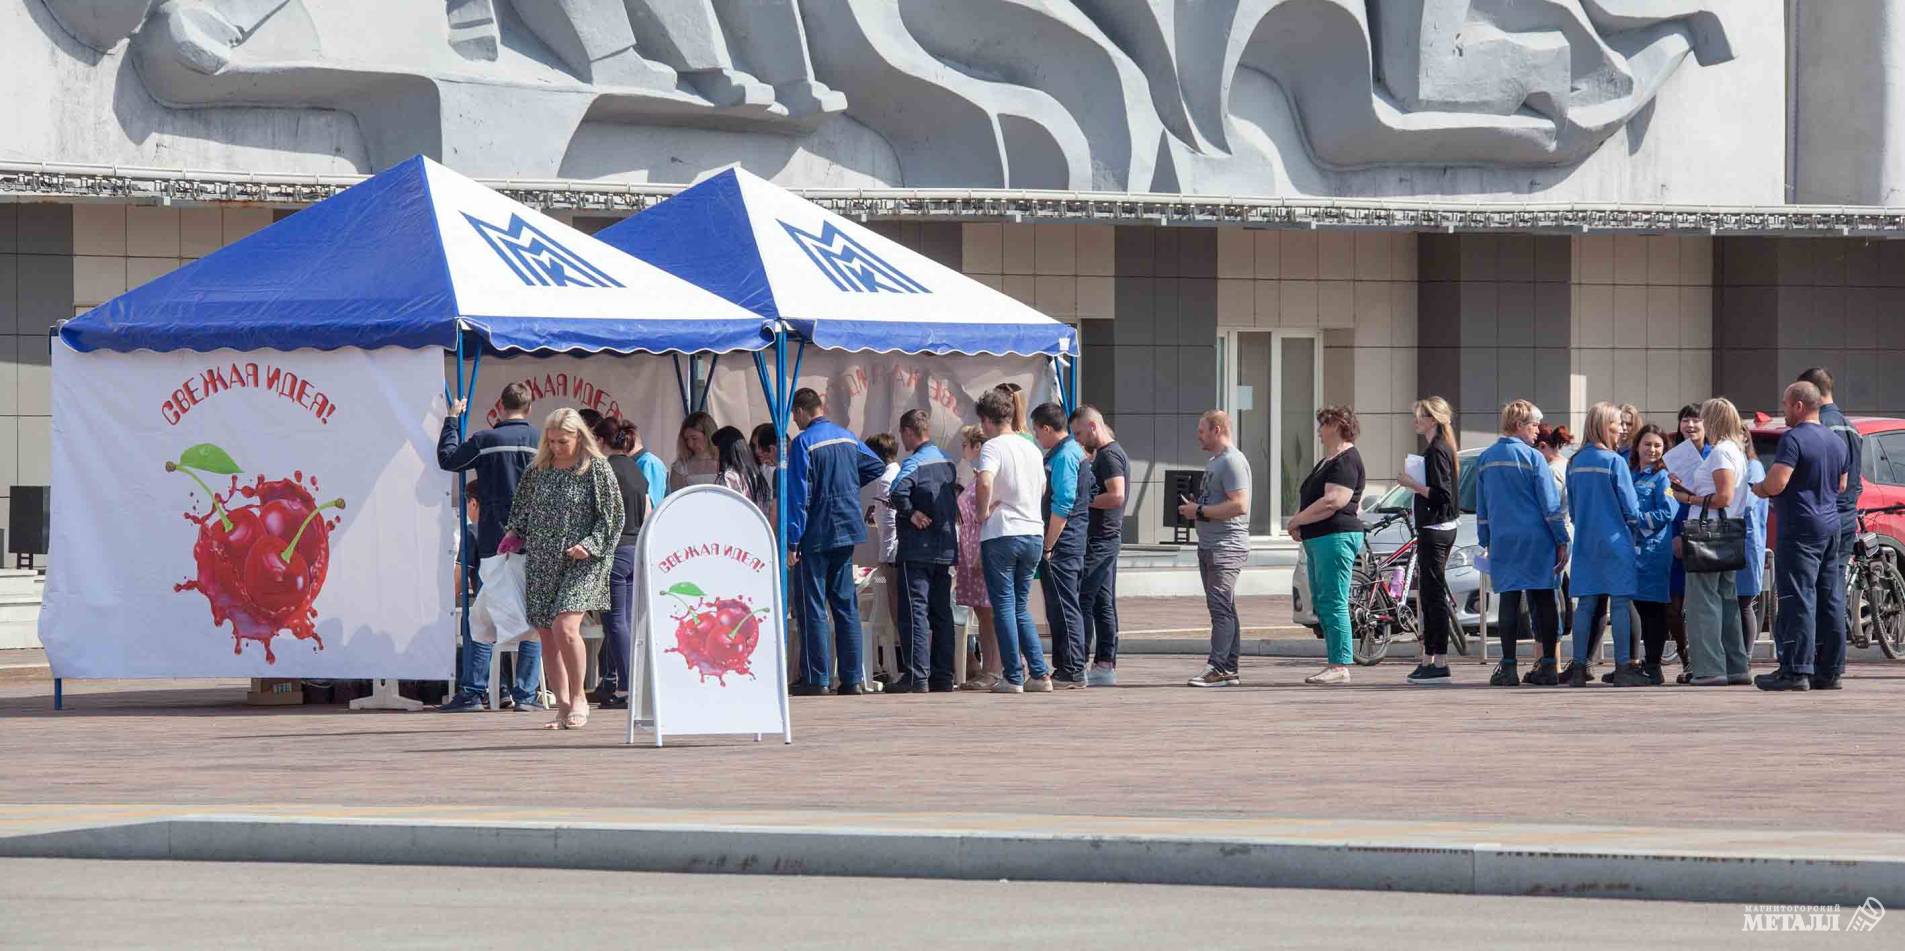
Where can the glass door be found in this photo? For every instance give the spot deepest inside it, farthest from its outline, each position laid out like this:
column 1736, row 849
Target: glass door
column 1271, row 383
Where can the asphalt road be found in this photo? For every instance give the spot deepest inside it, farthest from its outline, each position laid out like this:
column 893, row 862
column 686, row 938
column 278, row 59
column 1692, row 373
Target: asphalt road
column 64, row 903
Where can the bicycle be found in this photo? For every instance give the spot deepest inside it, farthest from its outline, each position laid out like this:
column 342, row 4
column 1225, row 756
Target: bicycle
column 1380, row 609
column 1875, row 592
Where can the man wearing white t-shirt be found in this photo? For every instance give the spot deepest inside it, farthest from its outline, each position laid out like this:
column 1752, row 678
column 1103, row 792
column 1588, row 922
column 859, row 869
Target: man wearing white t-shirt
column 1011, row 482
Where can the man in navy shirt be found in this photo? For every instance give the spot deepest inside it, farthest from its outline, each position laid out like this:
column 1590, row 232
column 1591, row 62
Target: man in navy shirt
column 1831, row 417
column 1098, row 590
column 1804, row 482
column 925, row 500
column 826, row 468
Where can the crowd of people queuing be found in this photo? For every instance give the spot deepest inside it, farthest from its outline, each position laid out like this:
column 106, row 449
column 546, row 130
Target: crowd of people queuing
column 1045, row 502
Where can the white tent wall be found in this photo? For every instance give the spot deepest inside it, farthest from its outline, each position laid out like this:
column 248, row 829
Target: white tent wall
column 151, row 583
column 865, row 392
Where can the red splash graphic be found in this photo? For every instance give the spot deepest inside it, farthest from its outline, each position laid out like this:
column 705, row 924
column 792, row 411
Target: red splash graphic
column 716, row 636
column 262, row 564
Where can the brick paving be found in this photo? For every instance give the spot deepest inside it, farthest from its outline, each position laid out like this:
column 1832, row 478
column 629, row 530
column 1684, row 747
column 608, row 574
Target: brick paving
column 1684, row 757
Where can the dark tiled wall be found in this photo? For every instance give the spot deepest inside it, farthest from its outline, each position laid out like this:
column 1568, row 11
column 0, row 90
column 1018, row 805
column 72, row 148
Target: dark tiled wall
column 1494, row 313
column 1784, row 304
column 1163, row 357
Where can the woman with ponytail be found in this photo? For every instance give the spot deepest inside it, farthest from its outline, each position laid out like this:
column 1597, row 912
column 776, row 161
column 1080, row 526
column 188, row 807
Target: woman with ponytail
column 1437, row 519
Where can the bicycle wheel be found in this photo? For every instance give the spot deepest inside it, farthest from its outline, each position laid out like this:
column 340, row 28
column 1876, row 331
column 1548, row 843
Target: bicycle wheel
column 1885, row 600
column 1858, row 621
column 1458, row 635
column 1369, row 632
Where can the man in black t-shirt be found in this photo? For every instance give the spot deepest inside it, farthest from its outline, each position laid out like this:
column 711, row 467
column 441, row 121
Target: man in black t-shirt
column 1104, row 534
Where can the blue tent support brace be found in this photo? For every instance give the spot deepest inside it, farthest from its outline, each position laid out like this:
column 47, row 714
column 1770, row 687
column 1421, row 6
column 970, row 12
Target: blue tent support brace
column 59, row 694
column 681, row 386
column 707, row 385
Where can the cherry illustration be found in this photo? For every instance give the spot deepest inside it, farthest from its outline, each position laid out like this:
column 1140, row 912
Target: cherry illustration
column 715, row 636
column 260, row 565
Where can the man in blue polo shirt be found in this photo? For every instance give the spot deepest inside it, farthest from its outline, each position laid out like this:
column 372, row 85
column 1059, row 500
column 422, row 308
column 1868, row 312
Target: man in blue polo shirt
column 826, row 468
column 1804, row 482
column 1068, row 491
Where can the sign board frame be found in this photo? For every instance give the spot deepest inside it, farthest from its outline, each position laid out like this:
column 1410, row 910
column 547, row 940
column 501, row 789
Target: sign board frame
column 663, row 546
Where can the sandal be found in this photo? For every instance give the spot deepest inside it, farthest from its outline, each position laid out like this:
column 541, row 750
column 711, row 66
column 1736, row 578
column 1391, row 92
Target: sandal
column 576, row 718
column 561, row 722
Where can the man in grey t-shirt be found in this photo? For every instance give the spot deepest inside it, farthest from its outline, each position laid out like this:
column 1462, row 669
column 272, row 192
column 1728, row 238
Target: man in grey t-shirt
column 1222, row 514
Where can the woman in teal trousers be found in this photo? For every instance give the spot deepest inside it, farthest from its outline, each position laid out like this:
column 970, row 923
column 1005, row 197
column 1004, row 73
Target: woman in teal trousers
column 1332, row 534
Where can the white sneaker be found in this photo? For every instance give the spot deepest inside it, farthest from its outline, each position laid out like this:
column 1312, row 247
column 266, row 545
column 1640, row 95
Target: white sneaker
column 1102, row 675
column 1007, row 686
column 1038, row 685
column 1328, row 676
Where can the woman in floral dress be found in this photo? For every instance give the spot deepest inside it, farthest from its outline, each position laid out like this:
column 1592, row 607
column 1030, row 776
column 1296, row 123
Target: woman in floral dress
column 567, row 515
column 969, row 577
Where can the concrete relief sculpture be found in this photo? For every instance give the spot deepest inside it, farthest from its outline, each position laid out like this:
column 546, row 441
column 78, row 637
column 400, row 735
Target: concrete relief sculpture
column 1127, row 95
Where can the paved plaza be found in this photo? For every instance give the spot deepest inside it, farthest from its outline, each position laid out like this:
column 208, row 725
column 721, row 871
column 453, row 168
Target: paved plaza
column 1377, row 750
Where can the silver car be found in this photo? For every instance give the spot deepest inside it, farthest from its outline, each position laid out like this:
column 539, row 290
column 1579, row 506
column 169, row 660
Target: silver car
column 1465, row 583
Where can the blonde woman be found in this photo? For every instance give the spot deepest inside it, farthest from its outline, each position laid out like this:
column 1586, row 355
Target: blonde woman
column 697, row 459
column 1606, row 515
column 1631, row 422
column 567, row 516
column 1437, row 520
column 1519, row 521
column 1716, row 655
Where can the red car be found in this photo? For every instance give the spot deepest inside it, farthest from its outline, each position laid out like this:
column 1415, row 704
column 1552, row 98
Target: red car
column 1881, row 466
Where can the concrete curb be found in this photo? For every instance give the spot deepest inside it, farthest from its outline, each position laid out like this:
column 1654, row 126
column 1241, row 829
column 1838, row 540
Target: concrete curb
column 1477, row 869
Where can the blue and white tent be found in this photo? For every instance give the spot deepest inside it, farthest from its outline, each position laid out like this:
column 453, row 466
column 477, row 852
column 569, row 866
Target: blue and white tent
column 404, row 259
column 829, row 281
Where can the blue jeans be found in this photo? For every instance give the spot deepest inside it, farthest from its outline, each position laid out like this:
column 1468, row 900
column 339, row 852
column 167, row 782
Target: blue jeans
column 825, row 579
column 1587, row 626
column 1008, row 563
column 1810, row 626
column 1098, row 599
column 1828, row 653
column 1064, row 615
column 473, row 677
column 618, row 621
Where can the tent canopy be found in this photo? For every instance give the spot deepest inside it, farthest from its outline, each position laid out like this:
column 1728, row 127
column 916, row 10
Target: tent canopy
column 398, row 261
column 830, row 280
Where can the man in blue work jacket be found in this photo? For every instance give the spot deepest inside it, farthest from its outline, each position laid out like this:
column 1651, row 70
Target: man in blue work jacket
column 1068, row 491
column 926, row 507
column 498, row 456
column 826, row 467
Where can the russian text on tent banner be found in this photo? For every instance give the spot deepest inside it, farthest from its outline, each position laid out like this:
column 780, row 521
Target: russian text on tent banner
column 249, row 514
column 715, row 636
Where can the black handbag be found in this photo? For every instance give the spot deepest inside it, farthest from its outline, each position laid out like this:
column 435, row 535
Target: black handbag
column 1713, row 544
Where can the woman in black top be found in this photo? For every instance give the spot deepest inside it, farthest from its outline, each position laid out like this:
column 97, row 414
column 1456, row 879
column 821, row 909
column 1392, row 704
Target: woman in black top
column 617, row 437
column 1331, row 533
column 1437, row 520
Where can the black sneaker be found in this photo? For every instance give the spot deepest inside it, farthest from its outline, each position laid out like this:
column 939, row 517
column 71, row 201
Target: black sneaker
column 1685, row 678
column 1430, row 675
column 1655, row 676
column 1576, row 675
column 1417, row 672
column 1544, row 674
column 943, row 687
column 1629, row 675
column 851, row 690
column 1504, row 675
column 1608, row 678
column 1830, row 682
column 905, row 686
column 613, row 702
column 804, row 689
column 1782, row 680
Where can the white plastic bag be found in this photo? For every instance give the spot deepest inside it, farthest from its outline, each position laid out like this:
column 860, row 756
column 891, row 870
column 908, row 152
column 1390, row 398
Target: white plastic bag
column 498, row 615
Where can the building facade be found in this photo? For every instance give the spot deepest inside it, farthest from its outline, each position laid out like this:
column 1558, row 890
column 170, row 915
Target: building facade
column 1263, row 205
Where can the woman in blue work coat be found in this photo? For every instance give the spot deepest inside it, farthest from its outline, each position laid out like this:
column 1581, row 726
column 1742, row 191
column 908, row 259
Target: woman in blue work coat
column 1752, row 578
column 1653, row 590
column 1518, row 520
column 1602, row 506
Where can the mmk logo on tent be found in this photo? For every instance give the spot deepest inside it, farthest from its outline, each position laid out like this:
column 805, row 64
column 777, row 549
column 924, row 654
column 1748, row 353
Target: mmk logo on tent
column 537, row 258
column 848, row 263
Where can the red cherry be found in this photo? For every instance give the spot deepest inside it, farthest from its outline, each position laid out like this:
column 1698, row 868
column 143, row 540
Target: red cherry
column 276, row 587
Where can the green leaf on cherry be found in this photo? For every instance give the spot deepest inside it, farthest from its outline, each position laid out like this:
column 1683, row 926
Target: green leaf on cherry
column 206, row 457
column 685, row 589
